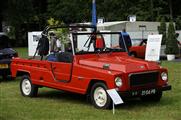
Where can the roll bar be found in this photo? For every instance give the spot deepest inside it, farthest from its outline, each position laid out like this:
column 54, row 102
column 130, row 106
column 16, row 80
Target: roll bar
column 48, row 28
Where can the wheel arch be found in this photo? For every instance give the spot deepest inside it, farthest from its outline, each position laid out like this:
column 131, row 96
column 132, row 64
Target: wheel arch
column 21, row 73
column 92, row 82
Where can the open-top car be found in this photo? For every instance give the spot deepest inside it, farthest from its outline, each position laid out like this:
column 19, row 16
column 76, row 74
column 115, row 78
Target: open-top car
column 6, row 55
column 91, row 67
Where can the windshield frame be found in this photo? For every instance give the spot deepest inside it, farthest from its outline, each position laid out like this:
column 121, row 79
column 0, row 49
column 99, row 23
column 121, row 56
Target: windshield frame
column 75, row 34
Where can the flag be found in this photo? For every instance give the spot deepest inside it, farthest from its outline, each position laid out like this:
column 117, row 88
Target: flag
column 94, row 16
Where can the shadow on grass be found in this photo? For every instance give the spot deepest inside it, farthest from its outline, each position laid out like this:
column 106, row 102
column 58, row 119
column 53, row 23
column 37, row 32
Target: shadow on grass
column 136, row 102
column 129, row 104
column 8, row 79
column 63, row 96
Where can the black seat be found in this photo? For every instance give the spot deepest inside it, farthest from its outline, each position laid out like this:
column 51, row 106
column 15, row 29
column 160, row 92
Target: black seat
column 66, row 57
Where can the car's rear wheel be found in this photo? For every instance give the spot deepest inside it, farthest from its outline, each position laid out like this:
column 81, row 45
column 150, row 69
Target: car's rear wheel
column 99, row 96
column 155, row 97
column 27, row 88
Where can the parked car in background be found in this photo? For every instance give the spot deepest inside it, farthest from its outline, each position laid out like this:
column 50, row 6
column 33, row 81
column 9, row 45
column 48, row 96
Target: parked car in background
column 139, row 49
column 6, row 55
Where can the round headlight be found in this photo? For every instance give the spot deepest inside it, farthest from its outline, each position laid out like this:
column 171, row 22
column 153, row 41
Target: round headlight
column 164, row 76
column 118, row 82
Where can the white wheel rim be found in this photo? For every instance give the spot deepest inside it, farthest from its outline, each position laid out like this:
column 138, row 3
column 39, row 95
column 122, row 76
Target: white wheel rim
column 100, row 96
column 26, row 86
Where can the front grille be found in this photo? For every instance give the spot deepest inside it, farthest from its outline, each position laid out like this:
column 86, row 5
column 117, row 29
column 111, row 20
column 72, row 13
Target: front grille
column 143, row 79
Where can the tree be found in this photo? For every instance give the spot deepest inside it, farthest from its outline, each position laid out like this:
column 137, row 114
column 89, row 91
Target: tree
column 162, row 30
column 1, row 17
column 29, row 15
column 23, row 16
column 112, row 10
column 170, row 8
column 171, row 43
column 18, row 14
column 69, row 11
column 178, row 23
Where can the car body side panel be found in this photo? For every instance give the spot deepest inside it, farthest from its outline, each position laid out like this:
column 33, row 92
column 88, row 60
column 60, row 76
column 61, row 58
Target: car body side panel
column 139, row 50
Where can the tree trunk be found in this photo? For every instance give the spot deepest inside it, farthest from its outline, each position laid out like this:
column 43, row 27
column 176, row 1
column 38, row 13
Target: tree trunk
column 151, row 9
column 1, row 19
column 171, row 10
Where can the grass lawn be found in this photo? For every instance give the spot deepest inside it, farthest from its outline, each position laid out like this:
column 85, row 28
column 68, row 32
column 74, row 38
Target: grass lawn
column 57, row 105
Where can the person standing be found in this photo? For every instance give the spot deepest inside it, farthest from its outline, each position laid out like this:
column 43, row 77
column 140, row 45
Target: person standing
column 55, row 44
column 126, row 42
column 55, row 47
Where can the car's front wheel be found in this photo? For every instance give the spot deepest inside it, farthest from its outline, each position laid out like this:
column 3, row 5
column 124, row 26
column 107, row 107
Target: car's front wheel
column 99, row 96
column 27, row 88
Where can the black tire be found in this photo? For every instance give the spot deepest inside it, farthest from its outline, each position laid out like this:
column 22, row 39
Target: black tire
column 102, row 103
column 27, row 88
column 4, row 77
column 7, row 77
column 152, row 98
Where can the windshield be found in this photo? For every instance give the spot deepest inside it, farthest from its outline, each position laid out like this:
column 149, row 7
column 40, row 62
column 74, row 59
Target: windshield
column 100, row 42
column 81, row 39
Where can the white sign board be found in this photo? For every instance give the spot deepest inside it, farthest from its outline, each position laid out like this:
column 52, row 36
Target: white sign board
column 100, row 20
column 115, row 96
column 153, row 48
column 132, row 18
column 33, row 38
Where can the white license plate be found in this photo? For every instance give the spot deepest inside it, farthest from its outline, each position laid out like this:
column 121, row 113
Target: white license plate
column 148, row 92
column 2, row 66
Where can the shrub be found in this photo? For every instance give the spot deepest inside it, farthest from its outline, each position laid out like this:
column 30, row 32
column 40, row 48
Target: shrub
column 178, row 23
column 171, row 42
column 162, row 30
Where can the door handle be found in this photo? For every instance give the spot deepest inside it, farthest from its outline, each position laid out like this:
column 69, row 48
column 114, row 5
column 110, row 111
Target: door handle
column 80, row 78
column 54, row 67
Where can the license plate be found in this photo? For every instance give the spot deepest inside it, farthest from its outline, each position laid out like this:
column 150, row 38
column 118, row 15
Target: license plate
column 144, row 92
column 148, row 92
column 2, row 66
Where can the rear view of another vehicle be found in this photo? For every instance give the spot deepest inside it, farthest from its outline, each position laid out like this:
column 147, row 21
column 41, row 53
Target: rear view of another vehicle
column 139, row 49
column 6, row 55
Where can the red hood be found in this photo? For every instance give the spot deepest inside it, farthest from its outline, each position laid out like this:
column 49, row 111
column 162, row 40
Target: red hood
column 118, row 63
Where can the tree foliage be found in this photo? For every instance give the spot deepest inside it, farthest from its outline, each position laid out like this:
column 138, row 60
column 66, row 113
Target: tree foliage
column 70, row 11
column 162, row 30
column 31, row 15
column 80, row 10
column 178, row 23
column 171, row 43
column 22, row 16
column 17, row 13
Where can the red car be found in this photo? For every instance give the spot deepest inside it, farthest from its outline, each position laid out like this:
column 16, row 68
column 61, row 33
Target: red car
column 6, row 55
column 90, row 70
column 138, row 51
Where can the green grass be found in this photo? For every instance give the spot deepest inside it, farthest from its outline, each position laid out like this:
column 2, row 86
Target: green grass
column 57, row 105
column 22, row 52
